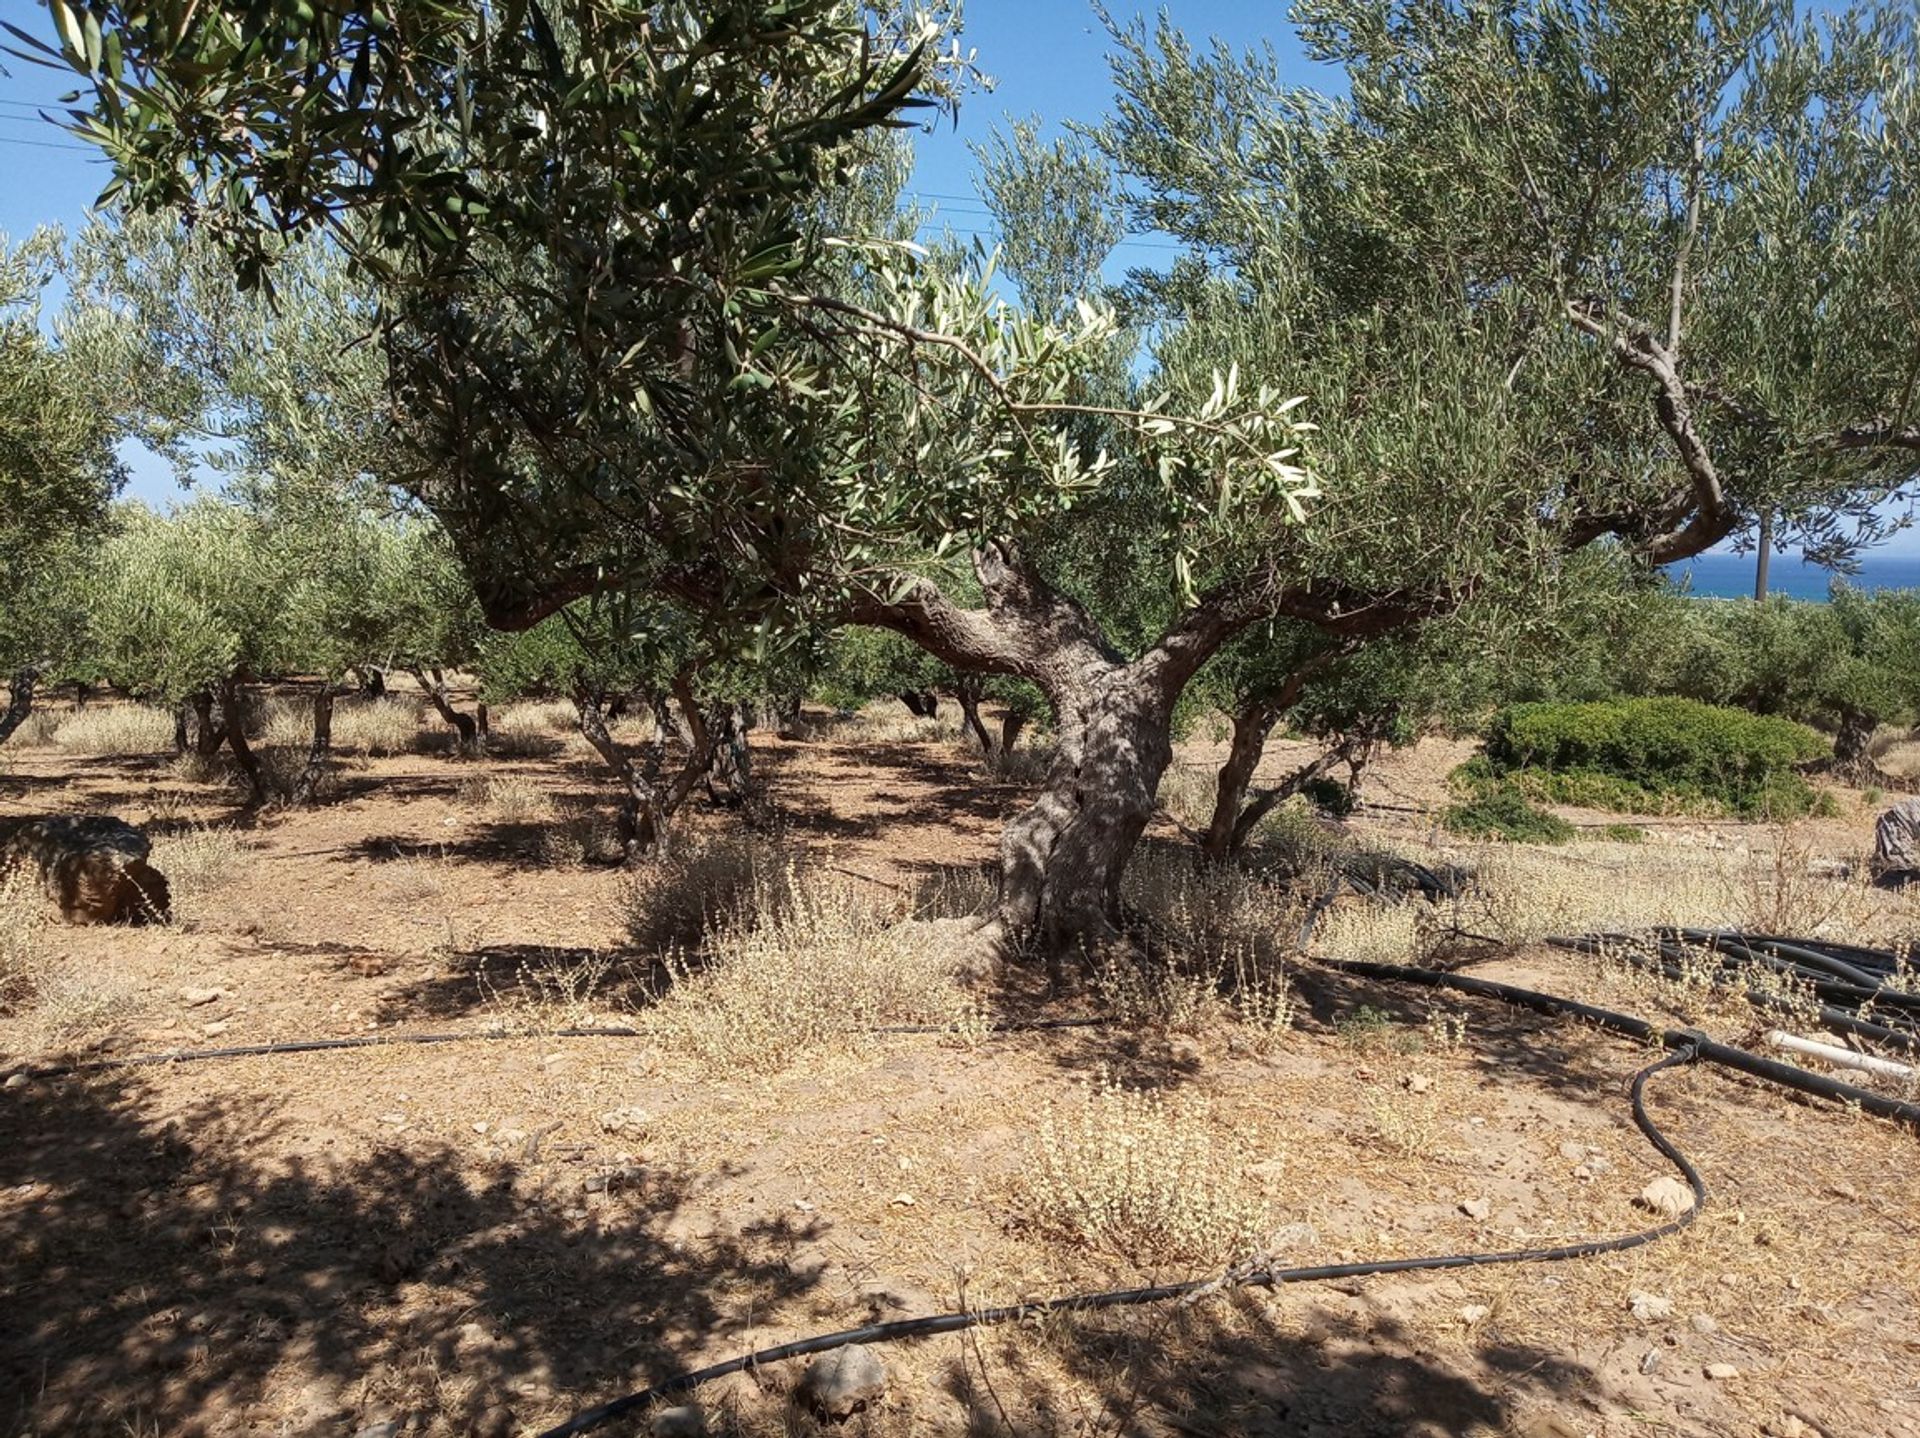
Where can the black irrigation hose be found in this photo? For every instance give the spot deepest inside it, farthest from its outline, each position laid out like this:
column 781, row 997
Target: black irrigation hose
column 1726, row 1055
column 1249, row 1276
column 1839, row 1020
column 371, row 1041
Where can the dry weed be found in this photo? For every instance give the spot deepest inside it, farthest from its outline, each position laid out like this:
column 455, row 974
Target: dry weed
column 507, row 798
column 701, row 882
column 71, row 1001
column 1141, row 1175
column 563, row 991
column 813, row 962
column 578, row 838
column 376, row 727
column 887, row 721
column 531, row 728
column 23, row 932
column 199, row 862
column 1187, row 793
column 1026, row 766
column 38, row 730
column 115, row 730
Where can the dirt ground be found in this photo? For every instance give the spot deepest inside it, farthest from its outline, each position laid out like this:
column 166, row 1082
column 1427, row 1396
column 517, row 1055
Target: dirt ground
column 482, row 1238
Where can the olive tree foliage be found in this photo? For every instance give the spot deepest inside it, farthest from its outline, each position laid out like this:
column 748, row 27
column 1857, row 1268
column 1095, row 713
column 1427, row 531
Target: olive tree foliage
column 58, row 473
column 1515, row 268
column 1848, row 666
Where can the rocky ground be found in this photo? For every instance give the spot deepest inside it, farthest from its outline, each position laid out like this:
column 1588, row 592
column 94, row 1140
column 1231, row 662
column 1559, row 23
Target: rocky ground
column 483, row 1237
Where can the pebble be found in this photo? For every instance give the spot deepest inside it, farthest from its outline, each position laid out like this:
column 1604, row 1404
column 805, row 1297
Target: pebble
column 1720, row 1372
column 1704, row 1323
column 1573, row 1152
column 624, row 1120
column 1650, row 1360
column 194, row 998
column 1650, row 1307
column 16, row 1080
column 1477, row 1207
column 1474, row 1312
column 1667, row 1196
column 216, row 1028
column 685, row 1421
column 840, row 1383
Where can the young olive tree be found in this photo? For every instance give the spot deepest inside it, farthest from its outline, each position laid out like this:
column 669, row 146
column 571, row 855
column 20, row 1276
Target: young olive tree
column 58, row 474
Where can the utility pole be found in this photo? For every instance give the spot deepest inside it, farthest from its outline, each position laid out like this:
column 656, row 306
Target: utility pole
column 1766, row 553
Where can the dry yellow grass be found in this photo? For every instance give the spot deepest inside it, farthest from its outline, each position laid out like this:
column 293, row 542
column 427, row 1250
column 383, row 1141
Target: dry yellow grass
column 376, row 727
column 200, row 862
column 115, row 730
column 507, row 798
column 1147, row 1177
column 812, row 962
column 23, row 929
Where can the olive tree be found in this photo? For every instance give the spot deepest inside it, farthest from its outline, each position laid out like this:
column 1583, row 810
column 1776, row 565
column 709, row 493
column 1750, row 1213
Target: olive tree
column 58, row 472
column 1512, row 271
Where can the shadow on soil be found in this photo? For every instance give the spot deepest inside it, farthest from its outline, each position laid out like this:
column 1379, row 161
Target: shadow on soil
column 159, row 1281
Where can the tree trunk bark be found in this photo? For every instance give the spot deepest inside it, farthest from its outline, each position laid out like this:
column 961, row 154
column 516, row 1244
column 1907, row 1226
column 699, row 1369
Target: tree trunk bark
column 373, row 681
column 208, row 735
column 1852, row 741
column 786, row 716
column 181, row 741
column 469, row 730
column 1251, row 725
column 1061, row 861
column 729, row 771
column 233, row 722
column 306, row 788
column 1011, row 725
column 967, row 695
column 20, row 691
column 639, row 822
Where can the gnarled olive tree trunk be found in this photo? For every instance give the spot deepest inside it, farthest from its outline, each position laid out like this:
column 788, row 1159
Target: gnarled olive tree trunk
column 233, row 720
column 306, row 788
column 20, row 692
column 469, row 729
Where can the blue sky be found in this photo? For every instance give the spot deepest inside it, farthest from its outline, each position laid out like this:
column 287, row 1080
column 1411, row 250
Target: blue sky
column 1046, row 58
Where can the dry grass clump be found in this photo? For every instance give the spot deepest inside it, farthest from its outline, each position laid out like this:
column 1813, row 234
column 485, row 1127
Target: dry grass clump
column 23, row 932
column 37, row 730
column 814, row 962
column 199, row 863
column 579, row 837
column 71, row 1002
column 887, row 721
column 1187, row 793
column 115, row 729
column 1025, row 765
column 531, row 728
column 507, row 798
column 1140, row 1175
column 557, row 991
column 377, row 727
column 701, row 882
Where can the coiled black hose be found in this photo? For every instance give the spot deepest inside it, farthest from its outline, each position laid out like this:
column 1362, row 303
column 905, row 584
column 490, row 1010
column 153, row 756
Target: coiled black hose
column 1258, row 1275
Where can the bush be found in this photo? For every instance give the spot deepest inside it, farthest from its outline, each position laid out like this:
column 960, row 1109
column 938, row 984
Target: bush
column 1655, row 754
column 117, row 730
column 1501, row 811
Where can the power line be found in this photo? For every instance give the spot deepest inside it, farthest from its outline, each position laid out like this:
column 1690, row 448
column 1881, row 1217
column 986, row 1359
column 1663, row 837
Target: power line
column 48, row 145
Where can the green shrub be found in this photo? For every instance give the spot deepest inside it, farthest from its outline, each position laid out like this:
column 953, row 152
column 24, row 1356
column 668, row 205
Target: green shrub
column 1493, row 806
column 1640, row 754
column 1329, row 796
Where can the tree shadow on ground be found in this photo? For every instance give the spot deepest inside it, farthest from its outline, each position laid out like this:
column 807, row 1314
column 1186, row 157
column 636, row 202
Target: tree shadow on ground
column 1250, row 1365
column 161, row 1278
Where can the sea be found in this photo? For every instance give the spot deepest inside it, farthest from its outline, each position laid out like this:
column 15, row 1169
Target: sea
column 1730, row 576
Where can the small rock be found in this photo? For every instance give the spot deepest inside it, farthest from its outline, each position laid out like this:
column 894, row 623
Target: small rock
column 1293, row 1236
column 1666, row 1196
column 216, row 1028
column 16, row 1080
column 840, row 1383
column 1573, row 1152
column 1788, row 1425
column 1720, row 1372
column 1416, row 1083
column 1704, row 1323
column 496, row 1422
column 1650, row 1307
column 903, row 1200
column 1650, row 1360
column 1477, row 1208
column 388, row 1429
column 624, row 1120
column 686, row 1421
column 1473, row 1313
column 194, row 998
column 1597, row 1164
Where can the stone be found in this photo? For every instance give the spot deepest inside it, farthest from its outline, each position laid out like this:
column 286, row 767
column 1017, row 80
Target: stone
column 1416, row 1083
column 94, row 867
column 688, row 1420
column 840, row 1383
column 1721, row 1372
column 624, row 1121
column 197, row 998
column 389, row 1428
column 1573, row 1152
column 1650, row 1360
column 1477, row 1208
column 1896, row 845
column 1666, row 1196
column 1703, row 1323
column 1649, row 1307
column 1473, row 1313
column 16, row 1080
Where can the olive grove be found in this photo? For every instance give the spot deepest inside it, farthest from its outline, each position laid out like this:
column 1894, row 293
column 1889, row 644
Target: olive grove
column 1548, row 276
